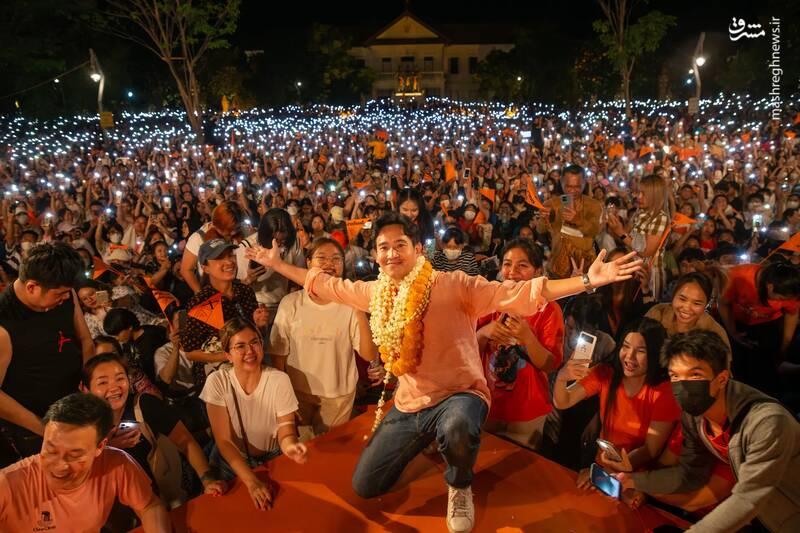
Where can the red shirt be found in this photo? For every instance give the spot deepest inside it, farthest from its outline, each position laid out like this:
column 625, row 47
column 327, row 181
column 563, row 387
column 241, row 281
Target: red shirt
column 721, row 469
column 530, row 397
column 630, row 417
column 745, row 301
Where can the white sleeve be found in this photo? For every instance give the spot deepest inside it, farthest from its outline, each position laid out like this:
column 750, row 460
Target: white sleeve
column 162, row 356
column 279, row 334
column 214, row 390
column 194, row 242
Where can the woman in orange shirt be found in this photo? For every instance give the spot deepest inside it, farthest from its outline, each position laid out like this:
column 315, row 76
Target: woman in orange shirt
column 759, row 308
column 637, row 408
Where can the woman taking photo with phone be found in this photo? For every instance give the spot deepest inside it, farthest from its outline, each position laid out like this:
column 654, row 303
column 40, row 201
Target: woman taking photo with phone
column 141, row 422
column 637, row 408
column 252, row 409
column 518, row 353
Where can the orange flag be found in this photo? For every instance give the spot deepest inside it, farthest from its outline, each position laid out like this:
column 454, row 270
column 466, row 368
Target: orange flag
column 793, row 244
column 209, row 312
column 488, row 193
column 679, row 219
column 354, row 226
column 360, row 184
column 449, row 171
column 165, row 298
column 533, row 198
column 100, row 268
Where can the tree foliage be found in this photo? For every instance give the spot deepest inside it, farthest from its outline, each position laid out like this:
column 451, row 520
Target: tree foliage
column 626, row 42
column 338, row 76
column 179, row 33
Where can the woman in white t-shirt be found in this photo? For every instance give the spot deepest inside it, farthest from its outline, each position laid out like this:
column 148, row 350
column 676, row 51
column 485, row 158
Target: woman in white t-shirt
column 251, row 409
column 226, row 220
column 315, row 342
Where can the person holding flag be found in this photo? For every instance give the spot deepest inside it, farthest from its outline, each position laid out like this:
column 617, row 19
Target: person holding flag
column 424, row 325
column 221, row 297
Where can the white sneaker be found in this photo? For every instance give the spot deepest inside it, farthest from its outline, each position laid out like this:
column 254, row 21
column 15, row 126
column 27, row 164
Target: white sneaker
column 460, row 510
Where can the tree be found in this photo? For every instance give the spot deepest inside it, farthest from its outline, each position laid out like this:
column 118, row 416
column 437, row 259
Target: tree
column 497, row 75
column 179, row 33
column 339, row 76
column 626, row 42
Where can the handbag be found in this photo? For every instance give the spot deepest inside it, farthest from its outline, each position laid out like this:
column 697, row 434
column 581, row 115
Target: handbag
column 165, row 462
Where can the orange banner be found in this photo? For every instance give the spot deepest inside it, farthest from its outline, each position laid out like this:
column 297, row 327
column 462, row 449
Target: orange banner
column 101, row 267
column 209, row 312
column 354, row 226
column 361, row 184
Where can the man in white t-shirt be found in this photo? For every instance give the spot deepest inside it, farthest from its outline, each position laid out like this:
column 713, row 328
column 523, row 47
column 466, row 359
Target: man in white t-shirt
column 314, row 341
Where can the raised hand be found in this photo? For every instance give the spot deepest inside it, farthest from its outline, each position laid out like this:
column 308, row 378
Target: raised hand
column 268, row 257
column 601, row 273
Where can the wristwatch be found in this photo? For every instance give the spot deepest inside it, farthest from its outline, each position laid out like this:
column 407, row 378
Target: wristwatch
column 587, row 285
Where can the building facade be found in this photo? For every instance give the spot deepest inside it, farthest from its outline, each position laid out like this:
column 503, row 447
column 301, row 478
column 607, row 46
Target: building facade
column 413, row 59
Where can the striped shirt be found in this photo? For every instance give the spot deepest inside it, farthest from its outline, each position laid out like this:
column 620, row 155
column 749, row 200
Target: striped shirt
column 465, row 263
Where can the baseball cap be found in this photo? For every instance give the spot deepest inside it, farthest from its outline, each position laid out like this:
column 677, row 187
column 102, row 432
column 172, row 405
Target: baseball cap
column 212, row 249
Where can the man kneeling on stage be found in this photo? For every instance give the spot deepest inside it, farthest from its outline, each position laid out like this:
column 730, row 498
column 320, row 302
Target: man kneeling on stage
column 424, row 325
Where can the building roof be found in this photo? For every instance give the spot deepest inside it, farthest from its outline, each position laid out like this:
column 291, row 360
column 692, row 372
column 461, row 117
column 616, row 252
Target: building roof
column 420, row 32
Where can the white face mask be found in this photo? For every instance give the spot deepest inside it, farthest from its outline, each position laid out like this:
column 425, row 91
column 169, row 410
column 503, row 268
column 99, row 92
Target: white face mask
column 115, row 237
column 469, row 215
column 292, row 210
column 452, row 255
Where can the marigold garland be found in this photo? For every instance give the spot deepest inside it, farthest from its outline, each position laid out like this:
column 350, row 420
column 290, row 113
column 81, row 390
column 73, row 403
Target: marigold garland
column 396, row 322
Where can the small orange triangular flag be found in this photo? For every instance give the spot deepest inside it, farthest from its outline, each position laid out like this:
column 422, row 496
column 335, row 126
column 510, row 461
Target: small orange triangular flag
column 209, row 312
column 533, row 198
column 354, row 226
column 100, row 268
column 793, row 244
column 488, row 193
column 164, row 298
column 449, row 171
column 679, row 219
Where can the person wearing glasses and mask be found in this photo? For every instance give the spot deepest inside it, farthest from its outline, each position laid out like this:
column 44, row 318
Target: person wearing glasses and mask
column 314, row 340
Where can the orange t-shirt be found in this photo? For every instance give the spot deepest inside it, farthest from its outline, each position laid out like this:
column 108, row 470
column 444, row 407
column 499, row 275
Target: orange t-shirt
column 747, row 306
column 27, row 503
column 630, row 417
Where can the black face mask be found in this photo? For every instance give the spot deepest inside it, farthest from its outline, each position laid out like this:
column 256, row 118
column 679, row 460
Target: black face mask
column 693, row 395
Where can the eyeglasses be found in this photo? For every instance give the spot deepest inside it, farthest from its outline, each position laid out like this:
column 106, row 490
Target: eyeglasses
column 242, row 347
column 321, row 259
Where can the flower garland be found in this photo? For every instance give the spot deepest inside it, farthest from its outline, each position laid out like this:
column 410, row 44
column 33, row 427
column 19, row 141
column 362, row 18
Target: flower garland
column 396, row 322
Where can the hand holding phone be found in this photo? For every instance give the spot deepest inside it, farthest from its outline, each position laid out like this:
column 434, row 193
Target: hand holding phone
column 610, row 450
column 604, row 481
column 584, row 347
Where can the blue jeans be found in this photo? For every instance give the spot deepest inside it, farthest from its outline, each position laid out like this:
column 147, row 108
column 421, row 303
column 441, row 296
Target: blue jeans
column 455, row 423
column 215, row 460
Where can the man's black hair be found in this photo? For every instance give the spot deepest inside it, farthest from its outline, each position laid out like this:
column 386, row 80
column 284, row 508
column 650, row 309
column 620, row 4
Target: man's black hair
column 52, row 265
column 691, row 254
column 698, row 344
column 82, row 410
column 574, row 169
column 393, row 218
column 454, row 232
column 118, row 320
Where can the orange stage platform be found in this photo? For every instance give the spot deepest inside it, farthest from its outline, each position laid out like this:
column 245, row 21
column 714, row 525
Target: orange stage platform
column 515, row 490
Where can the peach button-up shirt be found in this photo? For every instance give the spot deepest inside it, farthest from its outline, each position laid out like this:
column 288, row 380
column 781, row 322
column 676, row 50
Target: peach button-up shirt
column 451, row 362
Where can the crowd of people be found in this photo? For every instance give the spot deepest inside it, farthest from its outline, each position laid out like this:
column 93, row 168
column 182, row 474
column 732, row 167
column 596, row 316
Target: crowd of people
column 602, row 289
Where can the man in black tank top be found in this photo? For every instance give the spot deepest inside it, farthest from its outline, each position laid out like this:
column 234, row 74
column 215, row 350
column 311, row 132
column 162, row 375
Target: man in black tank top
column 43, row 343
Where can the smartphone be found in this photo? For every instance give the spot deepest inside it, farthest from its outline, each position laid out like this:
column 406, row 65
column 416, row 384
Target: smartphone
column 584, row 348
column 610, row 449
column 127, row 425
column 758, row 221
column 101, row 297
column 604, row 481
column 566, row 200
column 467, row 173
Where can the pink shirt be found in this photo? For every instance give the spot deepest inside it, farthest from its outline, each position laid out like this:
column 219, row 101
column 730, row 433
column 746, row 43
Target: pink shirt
column 451, row 362
column 27, row 503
